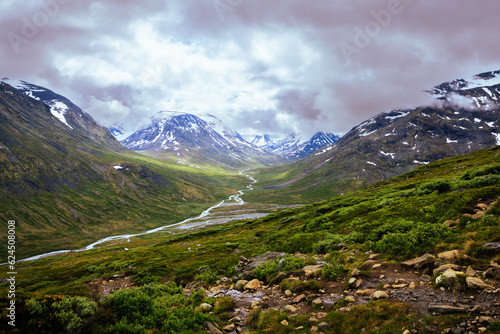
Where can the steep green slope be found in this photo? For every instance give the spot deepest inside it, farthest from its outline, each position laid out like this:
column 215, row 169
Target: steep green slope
column 399, row 218
column 67, row 187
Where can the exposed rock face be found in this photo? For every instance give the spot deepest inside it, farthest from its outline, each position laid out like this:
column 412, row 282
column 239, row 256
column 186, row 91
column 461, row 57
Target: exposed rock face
column 476, row 283
column 446, row 309
column 421, row 261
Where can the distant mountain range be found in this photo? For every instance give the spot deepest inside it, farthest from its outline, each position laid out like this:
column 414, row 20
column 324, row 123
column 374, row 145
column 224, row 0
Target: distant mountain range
column 292, row 148
column 206, row 139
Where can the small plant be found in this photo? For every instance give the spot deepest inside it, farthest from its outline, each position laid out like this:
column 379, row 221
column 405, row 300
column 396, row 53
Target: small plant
column 333, row 271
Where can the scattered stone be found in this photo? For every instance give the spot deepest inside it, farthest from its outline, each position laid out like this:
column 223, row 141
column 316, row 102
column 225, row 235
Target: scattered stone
column 399, row 286
column 482, row 206
column 421, row 261
column 476, row 283
column 281, row 264
column 470, row 271
column 290, row 308
column 288, row 293
column 254, row 304
column 412, row 285
column 284, row 323
column 299, row 299
column 314, row 329
column 229, row 328
column 246, row 266
column 374, row 256
column 359, row 283
column 493, row 272
column 377, row 265
column 211, row 328
column 350, row 299
column 492, row 245
column 355, row 272
column 312, row 270
column 406, row 332
column 324, row 326
column 444, row 267
column 204, row 308
column 380, row 295
column 352, row 280
column 484, row 320
column 278, row 279
column 446, row 309
column 425, row 278
column 344, row 309
column 236, row 320
column 241, row 284
column 253, row 285
column 365, row 292
column 317, row 301
column 451, row 223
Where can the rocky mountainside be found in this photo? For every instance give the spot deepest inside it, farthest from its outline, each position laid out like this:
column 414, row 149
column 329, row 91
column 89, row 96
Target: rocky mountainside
column 199, row 139
column 395, row 142
column 292, row 148
column 64, row 112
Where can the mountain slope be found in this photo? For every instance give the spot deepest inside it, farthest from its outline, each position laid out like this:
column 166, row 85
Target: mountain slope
column 69, row 183
column 387, row 145
column 197, row 139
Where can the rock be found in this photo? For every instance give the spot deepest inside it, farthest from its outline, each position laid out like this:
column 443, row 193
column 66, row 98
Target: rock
column 470, row 271
column 425, row 278
column 476, row 283
column 281, row 264
column 288, row 293
column 406, row 332
column 399, row 286
column 314, row 329
column 236, row 320
column 324, row 326
column 211, row 328
column 359, row 283
column 446, row 309
column 284, row 323
column 352, row 280
column 492, row 245
column 317, row 301
column 253, row 285
column 299, row 299
column 204, row 308
column 355, row 272
column 478, row 214
column 350, row 299
column 377, row 265
column 229, row 328
column 365, row 292
column 312, row 270
column 412, row 285
column 254, row 304
column 485, row 321
column 451, row 223
column 457, row 330
column 374, row 256
column 421, row 261
column 493, row 272
column 290, row 308
column 380, row 295
column 245, row 268
column 240, row 285
column 278, row 279
column 444, row 267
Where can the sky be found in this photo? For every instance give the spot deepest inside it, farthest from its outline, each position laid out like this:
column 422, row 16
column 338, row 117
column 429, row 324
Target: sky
column 261, row 66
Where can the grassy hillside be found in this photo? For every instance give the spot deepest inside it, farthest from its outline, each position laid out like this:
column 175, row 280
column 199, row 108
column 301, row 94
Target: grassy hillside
column 399, row 218
column 66, row 187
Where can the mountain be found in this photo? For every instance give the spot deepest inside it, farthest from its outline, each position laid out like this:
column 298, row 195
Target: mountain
column 200, row 139
column 395, row 142
column 63, row 111
column 67, row 181
column 292, row 148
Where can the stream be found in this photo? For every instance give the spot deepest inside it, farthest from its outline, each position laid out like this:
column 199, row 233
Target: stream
column 219, row 213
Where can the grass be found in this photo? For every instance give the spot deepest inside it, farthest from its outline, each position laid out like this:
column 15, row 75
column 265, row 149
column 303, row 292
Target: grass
column 398, row 209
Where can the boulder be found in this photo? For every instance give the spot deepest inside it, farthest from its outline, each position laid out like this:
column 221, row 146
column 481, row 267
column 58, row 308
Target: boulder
column 288, row 293
column 211, row 328
column 493, row 272
column 253, row 285
column 350, row 299
column 299, row 299
column 476, row 283
column 278, row 279
column 450, row 255
column 444, row 267
column 324, row 326
column 380, row 295
column 421, row 261
column 446, row 309
column 470, row 272
column 312, row 270
column 290, row 308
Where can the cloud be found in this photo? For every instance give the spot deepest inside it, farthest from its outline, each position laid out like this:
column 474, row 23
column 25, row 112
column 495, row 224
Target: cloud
column 260, row 66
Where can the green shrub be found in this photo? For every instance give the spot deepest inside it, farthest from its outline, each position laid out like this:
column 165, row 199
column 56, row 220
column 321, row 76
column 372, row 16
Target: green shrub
column 224, row 304
column 56, row 313
column 327, row 244
column 441, row 186
column 269, row 268
column 333, row 271
column 207, row 275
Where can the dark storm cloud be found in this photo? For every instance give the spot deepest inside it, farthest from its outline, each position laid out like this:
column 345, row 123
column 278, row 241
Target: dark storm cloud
column 276, row 66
